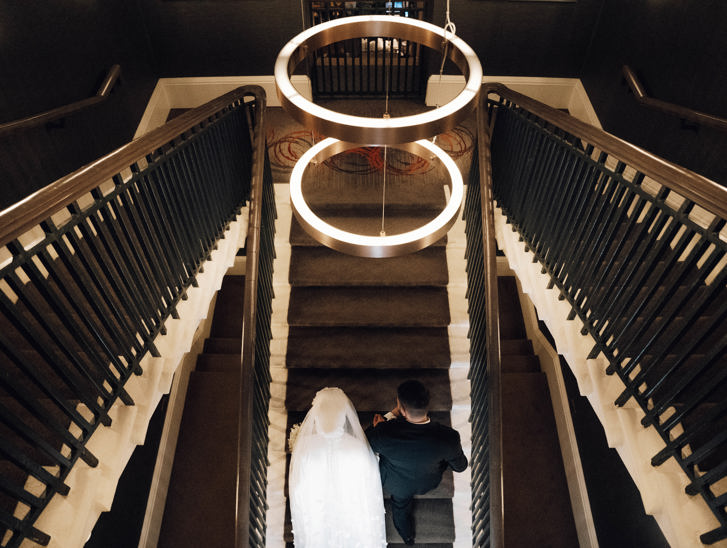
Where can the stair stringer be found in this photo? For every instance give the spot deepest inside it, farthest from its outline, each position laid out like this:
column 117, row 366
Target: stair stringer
column 682, row 518
column 459, row 348
column 278, row 414
column 69, row 520
column 550, row 365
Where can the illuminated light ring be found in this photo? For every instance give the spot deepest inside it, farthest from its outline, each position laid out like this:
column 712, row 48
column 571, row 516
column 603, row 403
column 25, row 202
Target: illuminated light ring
column 375, row 246
column 377, row 131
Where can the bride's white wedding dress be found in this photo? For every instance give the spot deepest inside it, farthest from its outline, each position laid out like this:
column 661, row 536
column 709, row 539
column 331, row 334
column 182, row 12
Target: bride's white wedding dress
column 334, row 482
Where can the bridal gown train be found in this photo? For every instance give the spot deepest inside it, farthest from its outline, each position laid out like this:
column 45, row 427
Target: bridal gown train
column 334, row 483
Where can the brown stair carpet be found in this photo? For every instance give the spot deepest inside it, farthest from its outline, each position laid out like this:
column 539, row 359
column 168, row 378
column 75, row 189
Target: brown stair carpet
column 200, row 507
column 535, row 491
column 366, row 325
column 368, row 347
column 368, row 226
column 321, row 266
column 369, row 306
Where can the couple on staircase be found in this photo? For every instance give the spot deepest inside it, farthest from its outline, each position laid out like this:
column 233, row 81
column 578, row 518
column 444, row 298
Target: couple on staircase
column 336, row 481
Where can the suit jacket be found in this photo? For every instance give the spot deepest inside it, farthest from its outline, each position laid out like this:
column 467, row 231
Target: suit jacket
column 413, row 457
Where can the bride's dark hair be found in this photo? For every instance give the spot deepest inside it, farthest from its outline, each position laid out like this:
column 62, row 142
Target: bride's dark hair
column 413, row 395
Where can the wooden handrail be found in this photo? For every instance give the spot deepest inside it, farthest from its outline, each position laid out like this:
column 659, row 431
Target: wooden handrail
column 701, row 190
column 60, row 112
column 494, row 372
column 29, row 212
column 670, row 108
column 249, row 324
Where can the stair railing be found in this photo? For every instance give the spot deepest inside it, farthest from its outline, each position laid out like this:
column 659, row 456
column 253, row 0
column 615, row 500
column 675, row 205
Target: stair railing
column 66, row 110
column 484, row 335
column 638, row 248
column 256, row 336
column 91, row 268
column 684, row 113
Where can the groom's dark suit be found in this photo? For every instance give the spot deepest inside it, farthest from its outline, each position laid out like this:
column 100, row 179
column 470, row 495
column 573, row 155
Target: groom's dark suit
column 412, row 458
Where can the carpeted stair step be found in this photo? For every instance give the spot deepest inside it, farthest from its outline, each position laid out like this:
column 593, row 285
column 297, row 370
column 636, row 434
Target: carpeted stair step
column 710, row 454
column 15, row 478
column 509, row 347
column 511, row 320
column 227, row 319
column 218, row 362
column 200, row 508
column 38, row 426
column 325, row 187
column 520, row 364
column 532, row 464
column 223, row 345
column 48, row 375
column 433, row 521
column 79, row 340
column 321, row 266
column 372, row 390
column 684, row 291
column 369, row 306
column 370, row 226
column 694, row 376
column 368, row 347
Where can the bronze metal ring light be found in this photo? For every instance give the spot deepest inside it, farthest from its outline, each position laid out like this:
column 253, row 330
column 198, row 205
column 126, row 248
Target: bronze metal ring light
column 375, row 246
column 379, row 131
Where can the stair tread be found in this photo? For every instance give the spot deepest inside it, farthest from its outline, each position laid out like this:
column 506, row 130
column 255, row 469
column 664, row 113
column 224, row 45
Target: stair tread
column 433, row 521
column 509, row 347
column 38, row 427
column 511, row 320
column 378, row 394
column 202, row 485
column 223, row 345
column 227, row 318
column 321, row 266
column 528, row 422
column 362, row 225
column 368, row 306
column 348, row 178
column 520, row 364
column 370, row 347
column 209, row 362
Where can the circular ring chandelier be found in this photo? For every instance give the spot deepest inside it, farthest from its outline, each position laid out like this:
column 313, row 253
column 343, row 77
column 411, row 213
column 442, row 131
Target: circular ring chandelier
column 377, row 131
column 375, row 246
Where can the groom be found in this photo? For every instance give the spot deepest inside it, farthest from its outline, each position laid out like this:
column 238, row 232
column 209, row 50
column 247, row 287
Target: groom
column 413, row 452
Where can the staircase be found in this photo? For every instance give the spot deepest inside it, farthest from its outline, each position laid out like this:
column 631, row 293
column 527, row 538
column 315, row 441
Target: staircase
column 535, row 490
column 201, row 501
column 366, row 325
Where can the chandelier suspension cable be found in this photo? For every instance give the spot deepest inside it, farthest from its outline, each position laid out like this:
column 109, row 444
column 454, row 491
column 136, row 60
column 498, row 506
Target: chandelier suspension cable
column 386, row 115
column 449, row 27
column 307, row 68
column 409, row 133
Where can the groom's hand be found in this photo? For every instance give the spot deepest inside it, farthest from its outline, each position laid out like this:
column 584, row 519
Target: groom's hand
column 378, row 418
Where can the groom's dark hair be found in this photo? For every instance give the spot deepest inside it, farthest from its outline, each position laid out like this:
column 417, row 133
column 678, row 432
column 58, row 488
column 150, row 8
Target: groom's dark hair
column 413, row 395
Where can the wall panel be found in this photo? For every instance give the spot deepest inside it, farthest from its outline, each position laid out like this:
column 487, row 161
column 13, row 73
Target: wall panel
column 679, row 50
column 54, row 53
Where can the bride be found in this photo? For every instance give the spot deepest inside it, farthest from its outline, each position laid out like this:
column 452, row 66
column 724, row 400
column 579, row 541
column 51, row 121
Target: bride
column 334, row 482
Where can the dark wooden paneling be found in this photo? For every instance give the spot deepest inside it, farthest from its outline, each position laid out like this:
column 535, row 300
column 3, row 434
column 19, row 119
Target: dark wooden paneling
column 197, row 38
column 524, row 38
column 54, row 53
column 679, row 50
column 209, row 38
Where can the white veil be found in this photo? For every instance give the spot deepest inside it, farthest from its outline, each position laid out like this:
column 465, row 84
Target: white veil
column 334, row 482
